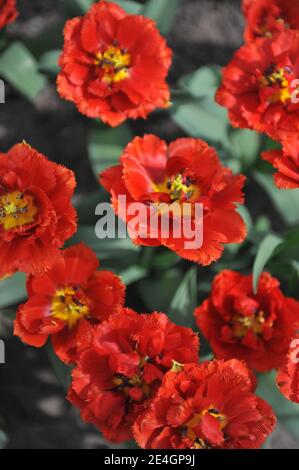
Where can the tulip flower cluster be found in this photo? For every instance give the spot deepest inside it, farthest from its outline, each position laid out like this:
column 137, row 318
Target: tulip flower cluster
column 139, row 375
column 260, row 85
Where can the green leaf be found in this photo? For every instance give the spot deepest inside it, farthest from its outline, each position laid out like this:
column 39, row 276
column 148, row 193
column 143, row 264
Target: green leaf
column 202, row 82
column 285, row 201
column 133, row 8
column 265, row 252
column 147, row 256
column 270, row 144
column 13, row 290
column 78, row 6
column 82, row 6
column 165, row 260
column 289, row 249
column 158, row 292
column 62, row 371
column 246, row 216
column 105, row 147
column 286, row 411
column 233, row 248
column 3, row 440
column 185, row 300
column 130, row 445
column 262, row 224
column 163, row 12
column 106, row 248
column 202, row 118
column 133, row 274
column 20, row 69
column 284, row 260
column 49, row 62
column 245, row 145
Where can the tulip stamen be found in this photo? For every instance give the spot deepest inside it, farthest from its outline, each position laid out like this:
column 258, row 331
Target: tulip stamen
column 195, row 421
column 255, row 322
column 276, row 79
column 69, row 305
column 114, row 63
column 16, row 210
column 179, row 187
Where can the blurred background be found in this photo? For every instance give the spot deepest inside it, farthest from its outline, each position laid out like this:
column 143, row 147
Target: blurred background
column 33, row 410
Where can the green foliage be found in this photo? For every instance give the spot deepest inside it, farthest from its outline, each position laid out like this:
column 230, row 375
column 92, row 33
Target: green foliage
column 133, row 274
column 105, row 146
column 165, row 260
column 286, row 202
column 202, row 82
column 197, row 113
column 158, row 291
column 265, row 252
column 107, row 248
column 78, row 7
column 286, row 412
column 195, row 110
column 48, row 63
column 20, row 69
column 133, row 8
column 245, row 145
column 119, row 255
column 185, row 300
column 202, row 118
column 3, row 439
column 163, row 12
column 13, row 290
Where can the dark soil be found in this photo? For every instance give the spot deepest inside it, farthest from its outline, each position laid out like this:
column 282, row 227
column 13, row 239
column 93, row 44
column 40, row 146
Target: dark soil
column 33, row 410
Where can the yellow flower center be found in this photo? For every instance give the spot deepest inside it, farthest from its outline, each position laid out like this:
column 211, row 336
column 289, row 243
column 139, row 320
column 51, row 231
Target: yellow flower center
column 69, row 305
column 123, row 383
column 266, row 26
column 115, row 63
column 196, row 420
column 179, row 188
column 177, row 367
column 277, row 80
column 201, row 444
column 16, row 210
column 253, row 322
